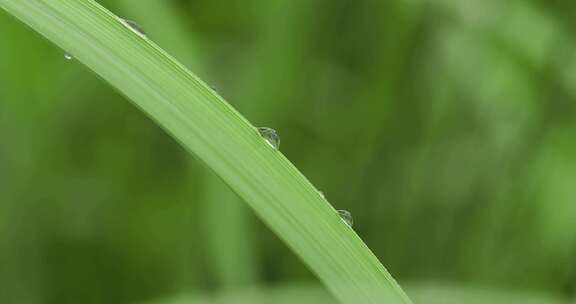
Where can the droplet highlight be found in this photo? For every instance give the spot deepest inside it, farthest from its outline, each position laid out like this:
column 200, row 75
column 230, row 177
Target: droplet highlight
column 346, row 216
column 68, row 56
column 322, row 194
column 135, row 27
column 270, row 136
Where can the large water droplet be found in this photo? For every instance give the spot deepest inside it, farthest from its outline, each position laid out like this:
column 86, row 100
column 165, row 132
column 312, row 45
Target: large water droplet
column 346, row 216
column 68, row 56
column 134, row 26
column 322, row 194
column 270, row 136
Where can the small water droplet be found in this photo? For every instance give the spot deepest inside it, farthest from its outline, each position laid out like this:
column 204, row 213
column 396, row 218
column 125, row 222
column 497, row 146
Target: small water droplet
column 134, row 26
column 68, row 56
column 271, row 137
column 346, row 216
column 322, row 194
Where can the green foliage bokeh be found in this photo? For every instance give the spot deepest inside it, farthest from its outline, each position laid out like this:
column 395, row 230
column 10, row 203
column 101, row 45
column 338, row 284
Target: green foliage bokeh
column 446, row 127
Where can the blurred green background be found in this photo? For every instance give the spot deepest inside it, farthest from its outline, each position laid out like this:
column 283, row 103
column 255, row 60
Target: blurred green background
column 447, row 128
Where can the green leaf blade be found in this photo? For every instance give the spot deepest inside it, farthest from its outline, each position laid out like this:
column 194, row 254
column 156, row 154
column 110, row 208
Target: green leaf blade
column 220, row 137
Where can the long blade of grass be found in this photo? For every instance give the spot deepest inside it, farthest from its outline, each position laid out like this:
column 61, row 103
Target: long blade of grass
column 233, row 261
column 219, row 136
column 425, row 292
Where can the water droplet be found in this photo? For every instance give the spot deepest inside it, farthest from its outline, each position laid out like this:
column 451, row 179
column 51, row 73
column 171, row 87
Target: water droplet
column 346, row 216
column 271, row 137
column 322, row 194
column 134, row 27
column 68, row 56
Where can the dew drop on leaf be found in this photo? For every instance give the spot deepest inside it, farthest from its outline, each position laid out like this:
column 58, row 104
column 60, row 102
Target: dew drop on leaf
column 270, row 136
column 134, row 27
column 346, row 216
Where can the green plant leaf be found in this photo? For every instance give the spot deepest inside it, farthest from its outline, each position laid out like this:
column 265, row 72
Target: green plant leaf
column 220, row 137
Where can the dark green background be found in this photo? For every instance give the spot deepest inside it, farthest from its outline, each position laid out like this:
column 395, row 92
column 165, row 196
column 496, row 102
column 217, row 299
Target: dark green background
column 447, row 128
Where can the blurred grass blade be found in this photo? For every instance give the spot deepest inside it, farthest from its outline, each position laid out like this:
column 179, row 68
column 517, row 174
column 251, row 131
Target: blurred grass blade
column 233, row 261
column 219, row 136
column 422, row 292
